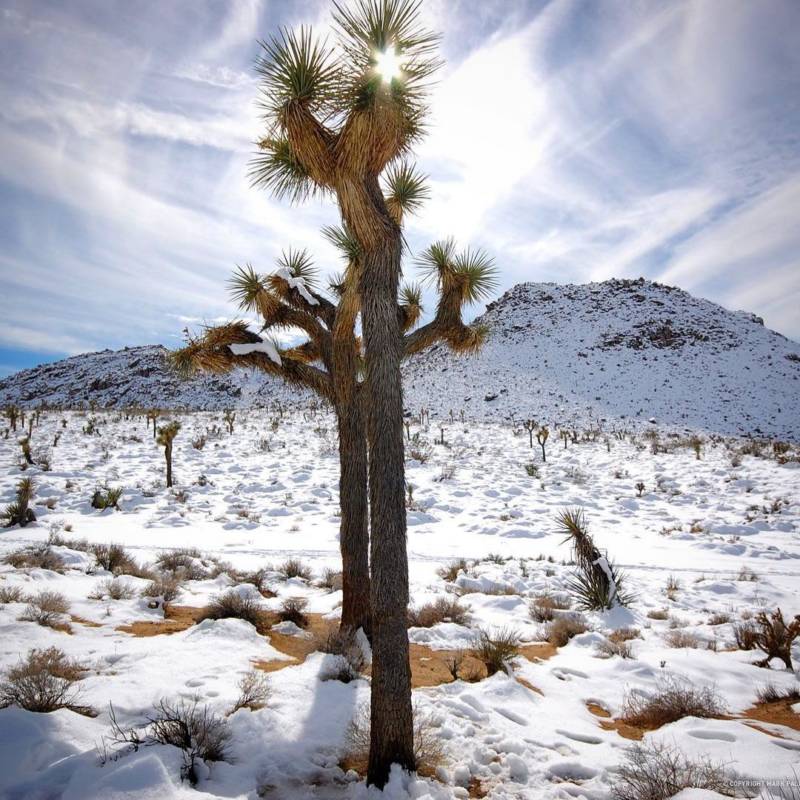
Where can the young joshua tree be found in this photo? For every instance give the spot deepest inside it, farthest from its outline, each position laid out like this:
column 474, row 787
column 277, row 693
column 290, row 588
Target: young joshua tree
column 166, row 434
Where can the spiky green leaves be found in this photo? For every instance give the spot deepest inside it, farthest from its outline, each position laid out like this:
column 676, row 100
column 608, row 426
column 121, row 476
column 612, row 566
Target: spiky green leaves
column 405, row 189
column 343, row 241
column 478, row 273
column 166, row 433
column 297, row 68
column 245, row 286
column 385, row 48
column 471, row 272
column 277, row 169
column 298, row 264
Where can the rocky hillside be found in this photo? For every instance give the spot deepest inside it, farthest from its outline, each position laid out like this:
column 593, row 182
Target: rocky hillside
column 135, row 376
column 621, row 351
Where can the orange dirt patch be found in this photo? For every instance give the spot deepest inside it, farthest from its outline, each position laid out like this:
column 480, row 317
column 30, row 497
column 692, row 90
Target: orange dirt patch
column 777, row 713
column 607, row 723
column 176, row 619
column 86, row 622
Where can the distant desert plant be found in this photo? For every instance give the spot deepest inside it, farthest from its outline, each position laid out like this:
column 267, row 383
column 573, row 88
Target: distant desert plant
column 165, row 438
column 450, row 571
column 163, row 589
column 106, row 498
column 113, row 589
column 293, row 610
column 36, row 557
column 774, row 636
column 47, row 609
column 295, row 568
column 563, row 628
column 443, row 609
column 254, row 691
column 232, row 605
column 543, row 607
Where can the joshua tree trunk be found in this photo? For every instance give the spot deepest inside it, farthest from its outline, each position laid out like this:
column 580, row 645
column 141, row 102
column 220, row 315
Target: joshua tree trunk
column 168, row 457
column 391, row 733
column 354, row 526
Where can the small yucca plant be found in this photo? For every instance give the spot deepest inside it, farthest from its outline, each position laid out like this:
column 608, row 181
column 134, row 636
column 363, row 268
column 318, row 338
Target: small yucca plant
column 19, row 512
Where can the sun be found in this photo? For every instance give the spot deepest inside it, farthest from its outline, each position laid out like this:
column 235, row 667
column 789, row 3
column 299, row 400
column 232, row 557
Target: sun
column 387, row 64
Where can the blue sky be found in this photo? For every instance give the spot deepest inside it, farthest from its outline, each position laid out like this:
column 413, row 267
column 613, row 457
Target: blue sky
column 575, row 140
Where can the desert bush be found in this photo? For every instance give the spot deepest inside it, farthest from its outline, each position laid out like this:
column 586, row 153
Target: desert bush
column 657, row 772
column 47, row 609
column 254, row 691
column 292, row 610
column 428, row 750
column 36, row 557
column 719, row 618
column 19, row 512
column 443, row 609
column 673, row 700
column 774, row 637
column 163, row 589
column 114, row 558
column 679, row 638
column 543, row 606
column 331, row 580
column 561, row 630
column 494, row 650
column 450, row 571
column 11, row 594
column 183, row 562
column 295, row 568
column 113, row 589
column 199, row 442
column 342, row 643
column 658, row 613
column 43, row 682
column 258, row 578
column 609, row 649
column 231, row 605
column 772, row 694
column 197, row 731
column 106, row 498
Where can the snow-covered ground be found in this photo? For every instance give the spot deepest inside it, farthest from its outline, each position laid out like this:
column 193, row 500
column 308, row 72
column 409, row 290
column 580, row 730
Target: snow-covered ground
column 269, row 491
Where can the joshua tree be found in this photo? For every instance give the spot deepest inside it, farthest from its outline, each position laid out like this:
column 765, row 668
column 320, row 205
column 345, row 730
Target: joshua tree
column 151, row 416
column 229, row 417
column 338, row 121
column 541, row 437
column 530, row 426
column 166, row 433
column 11, row 413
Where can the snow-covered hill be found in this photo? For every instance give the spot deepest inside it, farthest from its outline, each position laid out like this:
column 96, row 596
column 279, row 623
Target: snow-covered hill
column 619, row 351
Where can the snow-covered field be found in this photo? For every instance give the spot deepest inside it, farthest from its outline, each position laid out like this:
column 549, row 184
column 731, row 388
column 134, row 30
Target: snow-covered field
column 720, row 530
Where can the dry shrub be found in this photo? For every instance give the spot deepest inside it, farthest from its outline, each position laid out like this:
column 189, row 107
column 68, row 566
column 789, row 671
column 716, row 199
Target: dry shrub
column 543, row 606
column 428, row 750
column 331, row 580
column 258, row 578
column 772, row 694
column 114, row 558
column 443, row 609
column 561, row 630
column 672, row 701
column 295, row 568
column 744, row 634
column 36, row 557
column 658, row 613
column 344, row 644
column 679, row 639
column 232, row 605
column 450, row 572
column 292, row 610
column 114, row 589
column 43, row 682
column 163, row 589
column 618, row 643
column 11, row 594
column 719, row 618
column 254, row 691
column 197, row 731
column 183, row 562
column 657, row 772
column 496, row 649
column 47, row 609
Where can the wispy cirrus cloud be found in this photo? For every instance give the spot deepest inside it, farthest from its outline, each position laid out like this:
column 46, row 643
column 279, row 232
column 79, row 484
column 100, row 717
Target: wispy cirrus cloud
column 574, row 141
